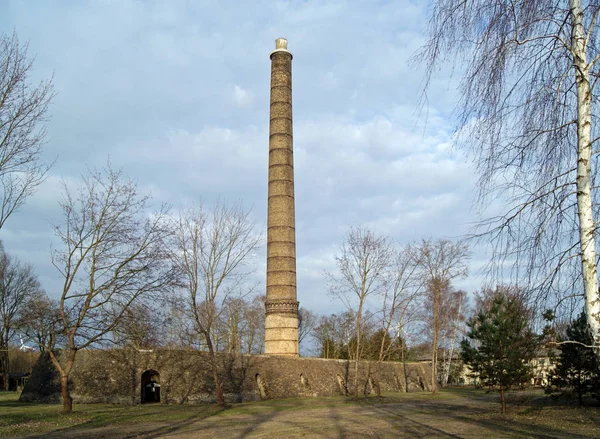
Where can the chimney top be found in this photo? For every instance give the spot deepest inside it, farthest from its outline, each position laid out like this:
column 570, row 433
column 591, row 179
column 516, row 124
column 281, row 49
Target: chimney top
column 281, row 43
column 281, row 46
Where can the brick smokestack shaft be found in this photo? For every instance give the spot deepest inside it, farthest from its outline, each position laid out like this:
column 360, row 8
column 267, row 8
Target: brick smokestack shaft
column 281, row 320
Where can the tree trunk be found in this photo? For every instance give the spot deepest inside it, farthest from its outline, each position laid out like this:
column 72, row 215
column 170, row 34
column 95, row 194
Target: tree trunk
column 503, row 401
column 64, row 377
column 579, row 389
column 356, row 369
column 213, row 363
column 66, row 394
column 434, row 342
column 404, row 367
column 434, row 364
column 4, row 364
column 448, row 363
column 584, row 173
column 358, row 322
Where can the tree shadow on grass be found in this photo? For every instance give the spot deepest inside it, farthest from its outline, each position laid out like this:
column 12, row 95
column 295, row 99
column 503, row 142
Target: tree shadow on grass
column 255, row 421
column 369, row 417
column 414, row 427
column 506, row 425
column 91, row 430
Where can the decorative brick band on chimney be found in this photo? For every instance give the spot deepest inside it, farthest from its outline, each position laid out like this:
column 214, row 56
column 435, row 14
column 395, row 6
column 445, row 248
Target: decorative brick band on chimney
column 281, row 307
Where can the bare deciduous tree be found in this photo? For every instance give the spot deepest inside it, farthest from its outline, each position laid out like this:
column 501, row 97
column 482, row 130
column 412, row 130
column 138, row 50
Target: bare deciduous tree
column 23, row 110
column 211, row 252
column 240, row 328
column 18, row 285
column 404, row 286
column 254, row 315
column 178, row 327
column 439, row 263
column 333, row 334
column 41, row 322
column 139, row 327
column 229, row 329
column 454, row 327
column 307, row 321
column 363, row 269
column 113, row 253
column 527, row 117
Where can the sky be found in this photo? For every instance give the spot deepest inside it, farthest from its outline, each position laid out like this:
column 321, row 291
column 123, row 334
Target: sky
column 176, row 93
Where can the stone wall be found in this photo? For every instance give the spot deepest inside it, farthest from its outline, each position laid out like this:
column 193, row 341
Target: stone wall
column 115, row 376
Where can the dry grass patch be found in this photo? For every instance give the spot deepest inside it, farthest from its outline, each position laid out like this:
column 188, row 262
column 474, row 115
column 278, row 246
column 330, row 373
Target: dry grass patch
column 453, row 413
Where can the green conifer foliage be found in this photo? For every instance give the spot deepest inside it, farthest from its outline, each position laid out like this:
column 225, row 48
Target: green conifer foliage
column 577, row 366
column 500, row 344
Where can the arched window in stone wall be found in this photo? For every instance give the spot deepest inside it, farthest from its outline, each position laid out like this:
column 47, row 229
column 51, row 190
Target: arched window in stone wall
column 370, row 386
column 341, row 385
column 304, row 382
column 399, row 383
column 262, row 387
column 150, row 386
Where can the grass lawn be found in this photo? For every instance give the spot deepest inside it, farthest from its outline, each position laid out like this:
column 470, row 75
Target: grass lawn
column 453, row 413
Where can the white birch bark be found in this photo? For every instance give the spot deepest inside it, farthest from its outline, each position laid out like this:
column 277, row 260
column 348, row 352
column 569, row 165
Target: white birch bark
column 584, row 171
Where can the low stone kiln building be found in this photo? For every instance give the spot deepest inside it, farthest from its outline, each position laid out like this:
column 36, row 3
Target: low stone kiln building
column 184, row 376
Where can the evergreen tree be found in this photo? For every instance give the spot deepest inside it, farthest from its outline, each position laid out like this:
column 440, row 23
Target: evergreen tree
column 577, row 365
column 500, row 344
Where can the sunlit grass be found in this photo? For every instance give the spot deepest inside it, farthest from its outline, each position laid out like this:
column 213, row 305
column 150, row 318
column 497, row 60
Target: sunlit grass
column 459, row 408
column 23, row 418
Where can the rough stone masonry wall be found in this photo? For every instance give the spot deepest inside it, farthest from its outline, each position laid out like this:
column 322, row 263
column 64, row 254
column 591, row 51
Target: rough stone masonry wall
column 114, row 376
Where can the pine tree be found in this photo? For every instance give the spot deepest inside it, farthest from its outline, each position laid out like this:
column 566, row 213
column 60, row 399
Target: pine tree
column 577, row 365
column 503, row 344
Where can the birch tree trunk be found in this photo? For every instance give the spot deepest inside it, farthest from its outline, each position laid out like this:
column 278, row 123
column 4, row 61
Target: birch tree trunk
column 434, row 347
column 584, row 171
column 357, row 354
column 526, row 117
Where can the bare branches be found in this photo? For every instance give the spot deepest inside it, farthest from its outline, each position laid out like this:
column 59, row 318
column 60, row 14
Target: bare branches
column 404, row 286
column 363, row 269
column 18, row 285
column 558, row 343
column 439, row 262
column 443, row 260
column 22, row 111
column 307, row 320
column 211, row 250
column 114, row 253
column 527, row 118
column 42, row 323
column 362, row 266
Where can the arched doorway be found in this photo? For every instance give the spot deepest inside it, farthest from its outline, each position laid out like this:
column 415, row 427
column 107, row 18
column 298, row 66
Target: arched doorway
column 150, row 386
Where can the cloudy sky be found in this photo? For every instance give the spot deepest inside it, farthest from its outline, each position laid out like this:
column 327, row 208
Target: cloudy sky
column 177, row 94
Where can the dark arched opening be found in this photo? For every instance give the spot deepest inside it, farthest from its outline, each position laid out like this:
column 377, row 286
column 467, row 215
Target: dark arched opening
column 150, row 386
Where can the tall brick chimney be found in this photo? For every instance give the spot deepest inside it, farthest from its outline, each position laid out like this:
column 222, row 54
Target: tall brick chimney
column 281, row 306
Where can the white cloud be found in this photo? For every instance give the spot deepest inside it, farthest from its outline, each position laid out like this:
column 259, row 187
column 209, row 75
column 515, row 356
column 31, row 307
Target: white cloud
column 239, row 96
column 177, row 94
